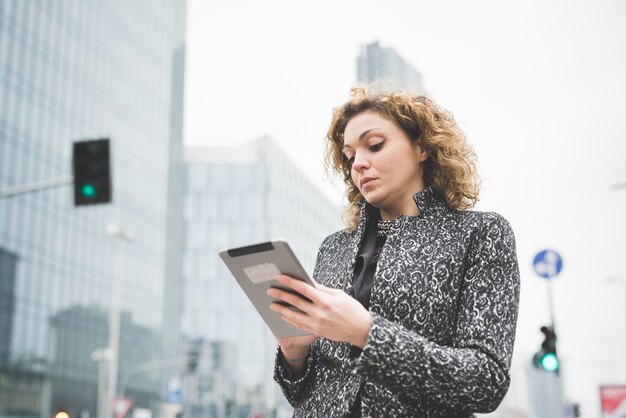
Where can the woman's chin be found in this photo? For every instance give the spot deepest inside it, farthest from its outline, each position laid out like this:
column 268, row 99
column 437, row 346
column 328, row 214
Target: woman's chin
column 374, row 199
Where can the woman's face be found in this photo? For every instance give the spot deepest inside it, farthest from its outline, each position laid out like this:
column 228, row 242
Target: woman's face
column 385, row 166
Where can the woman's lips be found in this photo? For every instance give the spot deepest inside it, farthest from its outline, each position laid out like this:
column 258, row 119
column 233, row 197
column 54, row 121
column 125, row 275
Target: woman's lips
column 366, row 180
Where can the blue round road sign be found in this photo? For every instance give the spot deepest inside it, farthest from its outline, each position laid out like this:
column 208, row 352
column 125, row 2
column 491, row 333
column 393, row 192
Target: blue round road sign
column 548, row 263
column 174, row 393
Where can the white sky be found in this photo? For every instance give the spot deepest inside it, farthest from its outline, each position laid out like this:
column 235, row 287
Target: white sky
column 540, row 89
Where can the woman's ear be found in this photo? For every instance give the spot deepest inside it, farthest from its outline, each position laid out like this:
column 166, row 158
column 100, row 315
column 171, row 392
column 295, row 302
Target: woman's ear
column 422, row 154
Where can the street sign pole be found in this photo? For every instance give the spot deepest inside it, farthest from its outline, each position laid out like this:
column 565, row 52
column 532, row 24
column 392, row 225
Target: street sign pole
column 551, row 305
column 549, row 395
column 547, row 264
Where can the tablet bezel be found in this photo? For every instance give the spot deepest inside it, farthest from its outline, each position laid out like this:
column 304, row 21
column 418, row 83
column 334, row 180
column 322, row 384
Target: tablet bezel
column 279, row 253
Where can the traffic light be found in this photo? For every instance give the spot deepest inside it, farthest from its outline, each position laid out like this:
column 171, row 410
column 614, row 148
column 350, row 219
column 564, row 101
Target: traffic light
column 546, row 358
column 91, row 163
column 229, row 407
column 192, row 359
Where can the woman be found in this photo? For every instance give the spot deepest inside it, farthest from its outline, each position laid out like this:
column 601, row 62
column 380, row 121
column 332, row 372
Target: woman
column 415, row 306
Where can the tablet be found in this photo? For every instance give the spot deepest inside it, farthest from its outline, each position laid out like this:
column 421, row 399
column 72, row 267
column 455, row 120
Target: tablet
column 255, row 268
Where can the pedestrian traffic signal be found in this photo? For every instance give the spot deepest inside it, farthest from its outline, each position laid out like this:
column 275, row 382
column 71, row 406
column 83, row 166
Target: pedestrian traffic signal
column 92, row 172
column 546, row 358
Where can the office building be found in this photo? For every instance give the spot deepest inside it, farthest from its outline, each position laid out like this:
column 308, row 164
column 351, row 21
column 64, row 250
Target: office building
column 376, row 63
column 234, row 197
column 76, row 70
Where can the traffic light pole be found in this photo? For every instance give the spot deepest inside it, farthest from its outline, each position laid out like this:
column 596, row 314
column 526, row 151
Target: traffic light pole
column 114, row 319
column 91, row 175
column 559, row 371
column 34, row 187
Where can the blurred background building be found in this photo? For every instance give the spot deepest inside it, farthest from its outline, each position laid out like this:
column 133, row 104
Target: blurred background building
column 76, row 70
column 376, row 63
column 234, row 197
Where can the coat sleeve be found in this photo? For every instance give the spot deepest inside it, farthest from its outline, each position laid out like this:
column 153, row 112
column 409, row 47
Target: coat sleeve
column 297, row 390
column 472, row 374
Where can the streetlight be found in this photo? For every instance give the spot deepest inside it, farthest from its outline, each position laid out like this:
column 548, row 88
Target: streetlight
column 116, row 231
column 101, row 355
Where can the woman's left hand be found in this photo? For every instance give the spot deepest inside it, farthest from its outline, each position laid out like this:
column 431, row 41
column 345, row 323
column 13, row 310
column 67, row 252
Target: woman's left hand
column 330, row 313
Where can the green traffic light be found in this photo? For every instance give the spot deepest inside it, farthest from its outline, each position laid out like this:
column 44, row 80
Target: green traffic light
column 89, row 190
column 549, row 362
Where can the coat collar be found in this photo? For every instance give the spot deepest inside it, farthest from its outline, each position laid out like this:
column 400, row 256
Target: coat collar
column 427, row 201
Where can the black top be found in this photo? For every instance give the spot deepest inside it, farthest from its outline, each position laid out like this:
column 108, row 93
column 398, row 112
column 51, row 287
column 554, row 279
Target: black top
column 364, row 269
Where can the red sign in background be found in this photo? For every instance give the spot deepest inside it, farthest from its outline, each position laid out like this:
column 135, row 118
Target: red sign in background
column 613, row 401
column 121, row 406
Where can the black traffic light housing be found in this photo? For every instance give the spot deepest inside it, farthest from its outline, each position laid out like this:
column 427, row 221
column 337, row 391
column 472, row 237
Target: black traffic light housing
column 91, row 163
column 192, row 359
column 546, row 358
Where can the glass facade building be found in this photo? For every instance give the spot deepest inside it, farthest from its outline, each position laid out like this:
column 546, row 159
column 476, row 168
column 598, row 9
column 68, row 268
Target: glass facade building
column 74, row 70
column 234, row 197
column 376, row 63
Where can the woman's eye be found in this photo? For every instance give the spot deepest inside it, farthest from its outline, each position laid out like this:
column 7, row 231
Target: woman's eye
column 376, row 147
column 350, row 160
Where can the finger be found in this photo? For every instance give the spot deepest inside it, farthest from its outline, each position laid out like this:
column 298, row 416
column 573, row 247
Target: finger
column 280, row 309
column 277, row 307
column 300, row 323
column 319, row 286
column 289, row 321
column 295, row 318
column 299, row 286
column 329, row 290
column 325, row 289
column 294, row 323
column 290, row 298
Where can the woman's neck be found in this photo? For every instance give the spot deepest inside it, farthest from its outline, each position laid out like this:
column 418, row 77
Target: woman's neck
column 407, row 207
column 391, row 215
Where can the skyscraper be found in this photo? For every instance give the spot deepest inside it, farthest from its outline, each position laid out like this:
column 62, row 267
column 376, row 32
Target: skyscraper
column 76, row 70
column 240, row 196
column 376, row 63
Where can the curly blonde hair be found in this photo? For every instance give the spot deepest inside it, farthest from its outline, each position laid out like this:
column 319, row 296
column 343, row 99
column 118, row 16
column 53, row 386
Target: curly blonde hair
column 451, row 166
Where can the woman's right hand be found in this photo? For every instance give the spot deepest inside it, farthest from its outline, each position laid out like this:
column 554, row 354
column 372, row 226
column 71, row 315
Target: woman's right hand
column 296, row 347
column 295, row 350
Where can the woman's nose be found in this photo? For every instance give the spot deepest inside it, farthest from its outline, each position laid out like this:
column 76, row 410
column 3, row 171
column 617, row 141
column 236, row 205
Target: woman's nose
column 360, row 163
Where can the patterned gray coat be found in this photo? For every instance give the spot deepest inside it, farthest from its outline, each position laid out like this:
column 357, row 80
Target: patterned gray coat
column 444, row 305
